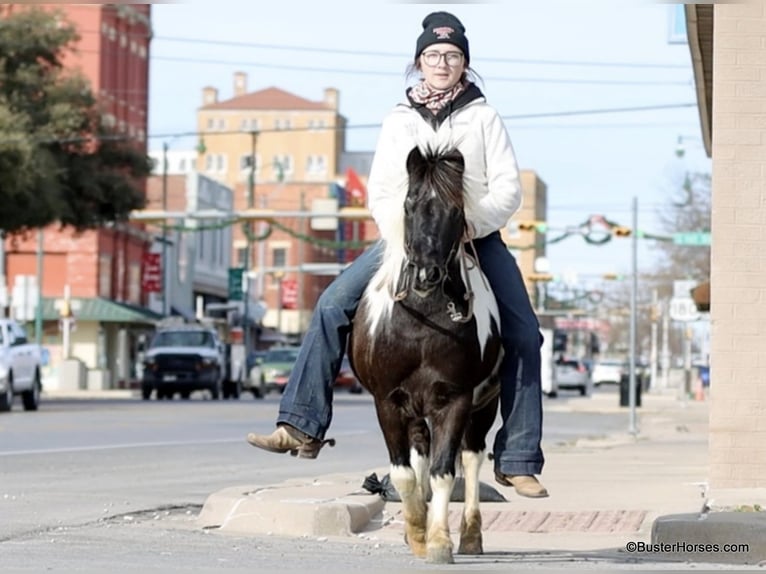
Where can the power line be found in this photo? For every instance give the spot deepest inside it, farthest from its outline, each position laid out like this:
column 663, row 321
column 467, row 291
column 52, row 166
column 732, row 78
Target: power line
column 398, row 55
column 358, row 72
column 569, row 113
column 408, row 56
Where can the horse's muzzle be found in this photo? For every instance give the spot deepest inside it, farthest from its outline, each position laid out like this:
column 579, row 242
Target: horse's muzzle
column 427, row 279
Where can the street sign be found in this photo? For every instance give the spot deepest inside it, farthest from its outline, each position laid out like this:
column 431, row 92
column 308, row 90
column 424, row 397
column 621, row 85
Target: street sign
column 289, row 294
column 151, row 275
column 235, row 283
column 692, row 238
column 683, row 309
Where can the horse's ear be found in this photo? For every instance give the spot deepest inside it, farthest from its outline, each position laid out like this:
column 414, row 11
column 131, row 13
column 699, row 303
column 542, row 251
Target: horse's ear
column 456, row 156
column 415, row 161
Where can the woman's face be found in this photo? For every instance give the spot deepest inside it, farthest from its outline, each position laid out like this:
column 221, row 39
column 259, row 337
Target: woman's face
column 442, row 65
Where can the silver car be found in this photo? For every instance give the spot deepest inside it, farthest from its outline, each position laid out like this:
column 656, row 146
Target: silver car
column 572, row 374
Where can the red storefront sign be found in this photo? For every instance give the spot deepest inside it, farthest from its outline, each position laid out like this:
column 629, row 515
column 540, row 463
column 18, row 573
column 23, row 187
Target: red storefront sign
column 289, row 294
column 151, row 273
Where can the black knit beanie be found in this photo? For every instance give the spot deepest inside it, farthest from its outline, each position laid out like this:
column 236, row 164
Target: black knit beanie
column 442, row 27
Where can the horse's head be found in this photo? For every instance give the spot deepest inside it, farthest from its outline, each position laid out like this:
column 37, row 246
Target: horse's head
column 434, row 221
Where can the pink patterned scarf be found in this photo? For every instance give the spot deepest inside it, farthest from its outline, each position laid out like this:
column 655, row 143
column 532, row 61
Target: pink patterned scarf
column 434, row 100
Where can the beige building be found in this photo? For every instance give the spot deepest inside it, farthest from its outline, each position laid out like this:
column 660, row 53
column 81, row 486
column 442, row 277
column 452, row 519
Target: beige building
column 298, row 146
column 728, row 47
column 529, row 245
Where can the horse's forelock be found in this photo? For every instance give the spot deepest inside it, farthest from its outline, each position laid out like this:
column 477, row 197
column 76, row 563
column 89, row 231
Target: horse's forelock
column 440, row 170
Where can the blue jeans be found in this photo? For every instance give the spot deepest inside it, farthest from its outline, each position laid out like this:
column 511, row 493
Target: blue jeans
column 307, row 400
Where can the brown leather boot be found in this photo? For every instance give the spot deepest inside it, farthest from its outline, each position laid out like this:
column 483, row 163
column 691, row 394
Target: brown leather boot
column 289, row 439
column 525, row 484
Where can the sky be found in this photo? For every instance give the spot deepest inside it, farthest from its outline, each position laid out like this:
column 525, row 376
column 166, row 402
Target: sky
column 539, row 61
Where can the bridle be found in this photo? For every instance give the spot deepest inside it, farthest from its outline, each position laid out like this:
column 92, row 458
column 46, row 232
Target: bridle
column 458, row 250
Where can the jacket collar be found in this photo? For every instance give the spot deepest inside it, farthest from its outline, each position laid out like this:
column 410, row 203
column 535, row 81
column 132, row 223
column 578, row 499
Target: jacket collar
column 471, row 93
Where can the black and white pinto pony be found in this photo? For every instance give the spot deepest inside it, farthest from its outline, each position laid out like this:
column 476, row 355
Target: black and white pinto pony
column 426, row 343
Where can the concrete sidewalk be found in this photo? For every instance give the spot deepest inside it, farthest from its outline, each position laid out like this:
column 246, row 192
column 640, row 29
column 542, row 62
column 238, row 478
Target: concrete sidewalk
column 606, row 492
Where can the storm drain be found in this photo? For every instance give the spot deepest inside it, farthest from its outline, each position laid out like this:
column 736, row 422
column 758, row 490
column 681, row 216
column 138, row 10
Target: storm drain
column 596, row 521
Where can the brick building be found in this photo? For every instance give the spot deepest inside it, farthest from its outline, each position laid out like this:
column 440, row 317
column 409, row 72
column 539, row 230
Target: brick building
column 102, row 268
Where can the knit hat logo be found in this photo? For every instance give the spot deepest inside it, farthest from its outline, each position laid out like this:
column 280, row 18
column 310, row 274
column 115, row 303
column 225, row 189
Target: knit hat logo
column 443, row 32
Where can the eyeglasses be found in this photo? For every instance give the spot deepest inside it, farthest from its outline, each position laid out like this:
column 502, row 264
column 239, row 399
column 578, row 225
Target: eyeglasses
column 433, row 58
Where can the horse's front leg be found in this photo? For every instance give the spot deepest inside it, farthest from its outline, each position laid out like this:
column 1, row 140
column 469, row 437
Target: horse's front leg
column 403, row 476
column 448, row 425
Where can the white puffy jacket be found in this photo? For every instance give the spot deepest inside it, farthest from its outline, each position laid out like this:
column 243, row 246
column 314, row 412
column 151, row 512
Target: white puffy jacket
column 491, row 179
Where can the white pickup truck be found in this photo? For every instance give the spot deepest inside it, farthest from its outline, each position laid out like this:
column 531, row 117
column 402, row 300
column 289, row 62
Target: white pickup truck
column 20, row 365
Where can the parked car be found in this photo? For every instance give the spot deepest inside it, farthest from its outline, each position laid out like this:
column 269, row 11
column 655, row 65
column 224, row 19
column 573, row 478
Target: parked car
column 608, row 371
column 572, row 374
column 20, row 367
column 346, row 378
column 254, row 381
column 276, row 367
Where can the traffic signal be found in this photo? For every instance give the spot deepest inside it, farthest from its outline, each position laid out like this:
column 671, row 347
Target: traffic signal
column 531, row 225
column 620, row 231
column 540, row 277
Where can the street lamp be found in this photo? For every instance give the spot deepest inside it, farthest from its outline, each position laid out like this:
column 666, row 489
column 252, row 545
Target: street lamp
column 247, row 227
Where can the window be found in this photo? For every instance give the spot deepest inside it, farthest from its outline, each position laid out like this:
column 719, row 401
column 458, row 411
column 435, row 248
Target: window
column 281, row 124
column 246, row 161
column 221, row 124
column 283, row 165
column 242, row 257
column 254, row 125
column 210, row 123
column 220, row 163
column 105, row 276
column 209, row 161
column 182, row 165
column 279, row 256
column 316, row 124
column 316, row 164
column 134, row 283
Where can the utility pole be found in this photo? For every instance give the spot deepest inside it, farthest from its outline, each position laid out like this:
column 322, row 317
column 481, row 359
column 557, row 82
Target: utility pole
column 39, row 306
column 248, row 229
column 301, row 260
column 633, row 427
column 165, row 266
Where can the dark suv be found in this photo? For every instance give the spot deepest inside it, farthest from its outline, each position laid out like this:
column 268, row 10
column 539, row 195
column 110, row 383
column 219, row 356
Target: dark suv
column 182, row 359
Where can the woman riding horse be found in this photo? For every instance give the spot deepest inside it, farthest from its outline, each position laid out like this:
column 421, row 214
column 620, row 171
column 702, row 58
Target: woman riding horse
column 444, row 109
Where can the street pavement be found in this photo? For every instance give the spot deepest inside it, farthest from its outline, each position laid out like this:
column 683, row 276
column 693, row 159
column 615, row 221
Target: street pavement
column 606, row 494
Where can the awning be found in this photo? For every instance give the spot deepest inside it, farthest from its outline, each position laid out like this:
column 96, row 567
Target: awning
column 101, row 310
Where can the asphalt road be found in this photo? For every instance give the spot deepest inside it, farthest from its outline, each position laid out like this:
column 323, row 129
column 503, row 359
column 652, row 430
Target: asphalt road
column 116, row 484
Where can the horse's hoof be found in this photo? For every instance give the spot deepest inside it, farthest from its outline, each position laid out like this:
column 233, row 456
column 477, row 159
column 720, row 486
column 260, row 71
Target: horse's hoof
column 472, row 548
column 439, row 556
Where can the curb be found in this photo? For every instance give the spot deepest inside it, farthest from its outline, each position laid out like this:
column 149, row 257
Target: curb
column 323, row 507
column 722, row 537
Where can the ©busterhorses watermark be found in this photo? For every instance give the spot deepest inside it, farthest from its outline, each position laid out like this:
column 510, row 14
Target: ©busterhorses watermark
column 687, row 548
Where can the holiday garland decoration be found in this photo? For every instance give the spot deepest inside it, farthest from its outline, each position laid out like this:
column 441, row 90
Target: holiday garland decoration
column 596, row 230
